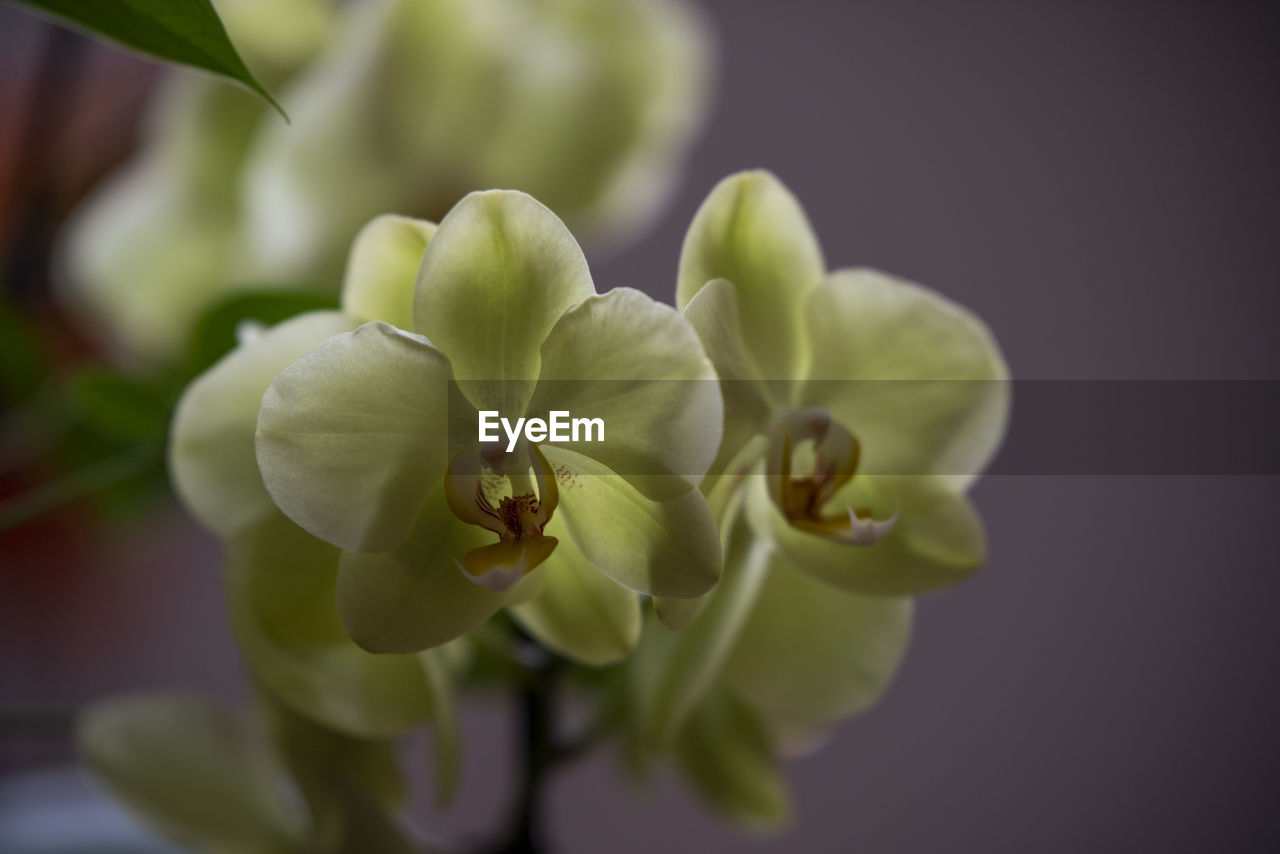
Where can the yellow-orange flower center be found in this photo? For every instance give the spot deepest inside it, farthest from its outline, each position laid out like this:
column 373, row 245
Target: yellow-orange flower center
column 472, row 484
column 832, row 453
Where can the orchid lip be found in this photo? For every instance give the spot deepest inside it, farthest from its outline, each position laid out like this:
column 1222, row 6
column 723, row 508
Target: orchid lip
column 473, row 486
column 802, row 498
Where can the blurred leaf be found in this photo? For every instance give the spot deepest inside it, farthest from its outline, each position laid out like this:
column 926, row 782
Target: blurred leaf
column 216, row 332
column 188, row 32
column 24, row 363
column 118, row 407
column 125, row 479
column 113, row 451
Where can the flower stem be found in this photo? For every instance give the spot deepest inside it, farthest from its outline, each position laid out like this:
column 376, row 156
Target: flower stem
column 536, row 708
column 542, row 747
column 537, row 715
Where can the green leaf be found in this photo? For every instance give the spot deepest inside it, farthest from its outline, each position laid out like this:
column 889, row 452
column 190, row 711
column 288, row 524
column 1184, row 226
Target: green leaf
column 118, row 407
column 118, row 483
column 199, row 773
column 24, row 358
column 188, row 32
column 498, row 273
column 218, row 330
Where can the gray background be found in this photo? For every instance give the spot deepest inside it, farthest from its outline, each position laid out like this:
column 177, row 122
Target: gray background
column 1100, row 182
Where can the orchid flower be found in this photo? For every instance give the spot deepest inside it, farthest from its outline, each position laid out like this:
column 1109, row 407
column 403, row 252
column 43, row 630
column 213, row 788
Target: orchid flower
column 369, row 442
column 858, row 408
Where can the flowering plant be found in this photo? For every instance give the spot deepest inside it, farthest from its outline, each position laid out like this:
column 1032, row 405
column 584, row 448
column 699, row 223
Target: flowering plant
column 704, row 524
column 807, row 435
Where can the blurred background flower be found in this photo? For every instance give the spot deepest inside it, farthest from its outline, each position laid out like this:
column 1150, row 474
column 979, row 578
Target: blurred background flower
column 397, row 106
